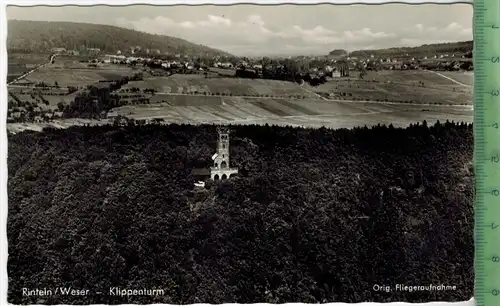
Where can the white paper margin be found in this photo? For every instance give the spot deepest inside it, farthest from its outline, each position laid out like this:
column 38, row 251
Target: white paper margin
column 3, row 112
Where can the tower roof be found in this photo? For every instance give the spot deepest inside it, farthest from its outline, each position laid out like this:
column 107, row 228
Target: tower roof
column 223, row 129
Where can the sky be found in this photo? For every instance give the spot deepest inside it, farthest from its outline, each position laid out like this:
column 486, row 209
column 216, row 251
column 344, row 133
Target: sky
column 253, row 30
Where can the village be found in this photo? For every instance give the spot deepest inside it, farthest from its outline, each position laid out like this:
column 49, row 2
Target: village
column 320, row 65
column 146, row 76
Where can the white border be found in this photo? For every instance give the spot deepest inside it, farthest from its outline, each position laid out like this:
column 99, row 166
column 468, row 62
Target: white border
column 218, row 2
column 3, row 112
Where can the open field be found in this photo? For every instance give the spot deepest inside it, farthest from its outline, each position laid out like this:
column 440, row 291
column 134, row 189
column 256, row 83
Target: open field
column 77, row 77
column 464, row 77
column 191, row 83
column 223, row 71
column 18, row 59
column 401, row 86
column 314, row 113
column 17, row 70
column 366, row 114
column 410, row 77
column 18, row 64
column 397, row 92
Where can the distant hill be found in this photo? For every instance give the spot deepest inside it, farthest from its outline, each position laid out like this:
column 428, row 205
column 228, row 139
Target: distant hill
column 42, row 36
column 424, row 50
column 338, row 52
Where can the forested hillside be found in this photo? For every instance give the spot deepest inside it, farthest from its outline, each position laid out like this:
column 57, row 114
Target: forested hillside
column 424, row 50
column 42, row 36
column 315, row 216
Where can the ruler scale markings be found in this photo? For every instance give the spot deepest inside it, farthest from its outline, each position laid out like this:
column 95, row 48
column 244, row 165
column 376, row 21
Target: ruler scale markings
column 487, row 151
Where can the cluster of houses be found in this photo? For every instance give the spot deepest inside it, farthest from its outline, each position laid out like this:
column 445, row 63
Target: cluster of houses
column 325, row 64
column 403, row 62
column 139, row 50
column 74, row 52
column 132, row 60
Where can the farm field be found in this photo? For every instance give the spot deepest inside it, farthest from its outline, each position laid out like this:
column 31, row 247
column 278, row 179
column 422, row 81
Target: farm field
column 192, row 83
column 18, row 64
column 222, row 71
column 14, row 70
column 396, row 92
column 77, row 77
column 399, row 86
column 244, row 111
column 410, row 77
column 312, row 113
column 61, row 124
column 27, row 59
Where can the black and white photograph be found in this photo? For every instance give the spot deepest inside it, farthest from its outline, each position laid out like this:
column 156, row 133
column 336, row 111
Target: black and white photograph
column 245, row 153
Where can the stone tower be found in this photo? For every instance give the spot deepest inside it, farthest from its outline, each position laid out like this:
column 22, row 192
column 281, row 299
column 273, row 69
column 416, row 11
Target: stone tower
column 221, row 169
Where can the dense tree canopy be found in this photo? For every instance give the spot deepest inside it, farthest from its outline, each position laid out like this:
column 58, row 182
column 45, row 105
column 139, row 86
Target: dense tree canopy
column 315, row 215
column 40, row 36
column 462, row 47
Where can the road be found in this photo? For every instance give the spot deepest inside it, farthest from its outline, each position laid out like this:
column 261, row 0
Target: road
column 32, row 70
column 447, row 77
column 312, row 92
